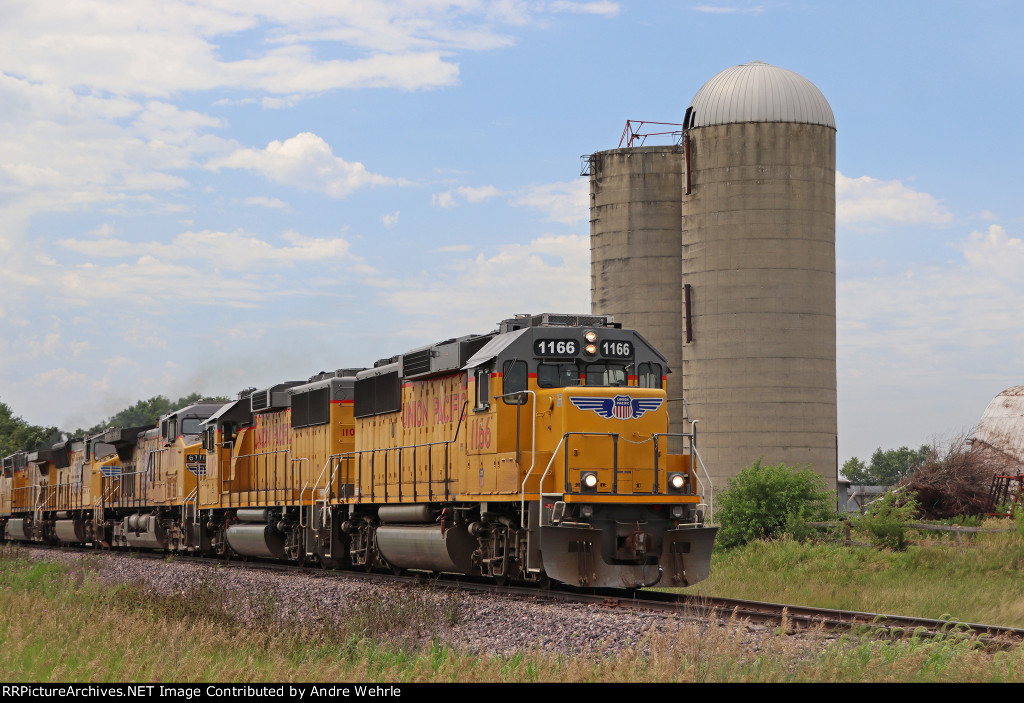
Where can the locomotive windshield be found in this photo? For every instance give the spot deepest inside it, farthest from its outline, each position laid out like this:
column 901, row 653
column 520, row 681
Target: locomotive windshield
column 573, row 374
column 606, row 374
column 557, row 375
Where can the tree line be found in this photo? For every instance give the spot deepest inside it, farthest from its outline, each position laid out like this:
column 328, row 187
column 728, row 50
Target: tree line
column 885, row 468
column 17, row 434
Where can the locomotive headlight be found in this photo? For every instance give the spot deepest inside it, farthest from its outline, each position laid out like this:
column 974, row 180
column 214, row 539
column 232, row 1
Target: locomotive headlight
column 588, row 480
column 590, row 336
column 591, row 349
column 676, row 481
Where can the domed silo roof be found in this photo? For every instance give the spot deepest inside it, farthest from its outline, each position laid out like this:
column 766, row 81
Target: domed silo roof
column 1002, row 425
column 759, row 92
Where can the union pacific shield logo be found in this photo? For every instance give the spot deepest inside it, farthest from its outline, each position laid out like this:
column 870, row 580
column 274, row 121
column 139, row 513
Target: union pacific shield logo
column 196, row 463
column 621, row 407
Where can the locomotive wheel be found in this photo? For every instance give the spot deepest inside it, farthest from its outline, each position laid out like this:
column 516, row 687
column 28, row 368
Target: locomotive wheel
column 501, row 580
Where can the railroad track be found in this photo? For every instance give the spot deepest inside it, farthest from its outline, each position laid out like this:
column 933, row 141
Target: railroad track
column 793, row 618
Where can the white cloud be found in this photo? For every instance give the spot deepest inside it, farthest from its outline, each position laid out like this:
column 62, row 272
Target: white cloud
column 911, row 342
column 104, row 230
column 390, row 219
column 166, row 47
column 729, row 10
column 146, row 335
column 162, row 47
column 120, row 362
column 227, row 250
column 476, row 195
column 149, row 279
column 49, row 345
column 609, row 9
column 567, row 202
column 443, row 200
column 269, row 103
column 304, row 161
column 550, row 274
column 866, row 201
column 995, row 252
column 262, row 201
column 67, row 381
column 60, row 150
column 447, row 199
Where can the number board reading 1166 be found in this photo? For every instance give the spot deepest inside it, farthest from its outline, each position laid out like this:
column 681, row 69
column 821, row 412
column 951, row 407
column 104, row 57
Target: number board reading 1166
column 617, row 350
column 556, row 347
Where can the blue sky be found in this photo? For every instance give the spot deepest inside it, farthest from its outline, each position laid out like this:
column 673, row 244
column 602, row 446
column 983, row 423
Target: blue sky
column 204, row 196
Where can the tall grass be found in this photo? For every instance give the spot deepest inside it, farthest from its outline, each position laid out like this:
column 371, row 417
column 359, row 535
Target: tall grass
column 981, row 581
column 63, row 624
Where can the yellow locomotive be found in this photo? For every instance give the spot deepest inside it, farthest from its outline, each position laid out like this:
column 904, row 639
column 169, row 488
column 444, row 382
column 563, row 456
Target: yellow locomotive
column 538, row 451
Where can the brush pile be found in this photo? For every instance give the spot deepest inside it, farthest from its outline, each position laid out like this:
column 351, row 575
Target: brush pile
column 953, row 481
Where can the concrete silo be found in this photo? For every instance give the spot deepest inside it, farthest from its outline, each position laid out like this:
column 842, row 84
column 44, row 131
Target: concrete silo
column 635, row 248
column 756, row 332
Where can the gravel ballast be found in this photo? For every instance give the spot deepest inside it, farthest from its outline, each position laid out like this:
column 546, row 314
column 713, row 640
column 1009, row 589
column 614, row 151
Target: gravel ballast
column 473, row 622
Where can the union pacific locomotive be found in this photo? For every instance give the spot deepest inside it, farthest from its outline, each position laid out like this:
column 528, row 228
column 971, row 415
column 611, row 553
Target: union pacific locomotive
column 539, row 451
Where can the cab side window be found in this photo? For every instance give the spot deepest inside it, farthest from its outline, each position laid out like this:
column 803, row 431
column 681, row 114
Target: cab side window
column 514, row 379
column 483, row 389
column 649, row 375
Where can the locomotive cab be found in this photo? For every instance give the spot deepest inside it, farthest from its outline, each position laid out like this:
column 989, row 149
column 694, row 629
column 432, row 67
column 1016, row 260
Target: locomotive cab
column 579, row 410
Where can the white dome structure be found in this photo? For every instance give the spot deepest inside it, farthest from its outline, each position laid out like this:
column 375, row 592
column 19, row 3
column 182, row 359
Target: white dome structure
column 1002, row 425
column 759, row 92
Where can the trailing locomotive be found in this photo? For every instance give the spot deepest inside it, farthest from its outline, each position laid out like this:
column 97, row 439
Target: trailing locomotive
column 537, row 451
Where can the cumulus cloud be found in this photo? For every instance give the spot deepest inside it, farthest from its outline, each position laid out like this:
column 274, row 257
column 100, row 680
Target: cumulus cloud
column 226, row 250
column 550, row 274
column 262, row 201
column 448, row 198
column 866, row 201
column 164, row 47
column 996, row 252
column 443, row 200
column 567, row 202
column 161, row 47
column 61, row 150
column 928, row 311
column 926, row 334
column 729, row 10
column 149, row 279
column 304, row 161
column 390, row 219
column 609, row 9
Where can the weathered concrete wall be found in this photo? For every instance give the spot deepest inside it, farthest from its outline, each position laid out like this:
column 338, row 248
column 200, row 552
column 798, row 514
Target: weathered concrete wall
column 635, row 249
column 758, row 249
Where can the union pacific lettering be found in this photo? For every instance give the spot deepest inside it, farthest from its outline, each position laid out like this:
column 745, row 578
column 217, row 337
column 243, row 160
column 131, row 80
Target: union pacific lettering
column 273, row 430
column 433, row 411
column 434, row 402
